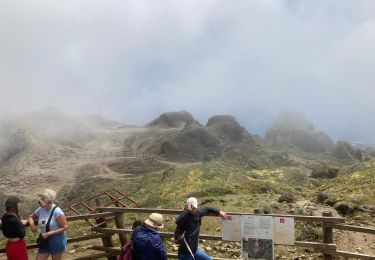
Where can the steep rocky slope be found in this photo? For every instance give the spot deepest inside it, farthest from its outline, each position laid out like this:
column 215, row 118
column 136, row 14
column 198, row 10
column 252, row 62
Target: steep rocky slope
column 222, row 136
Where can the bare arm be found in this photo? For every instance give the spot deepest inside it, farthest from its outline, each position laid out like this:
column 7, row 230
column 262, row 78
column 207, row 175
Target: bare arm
column 223, row 215
column 32, row 218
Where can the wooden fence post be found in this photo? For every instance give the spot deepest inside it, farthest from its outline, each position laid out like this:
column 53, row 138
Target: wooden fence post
column 120, row 225
column 107, row 241
column 327, row 234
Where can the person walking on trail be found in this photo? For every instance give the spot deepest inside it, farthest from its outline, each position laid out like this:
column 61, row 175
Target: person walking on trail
column 188, row 225
column 52, row 223
column 14, row 229
column 147, row 242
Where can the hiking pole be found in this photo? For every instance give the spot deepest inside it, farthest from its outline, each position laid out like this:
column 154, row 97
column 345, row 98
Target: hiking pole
column 187, row 245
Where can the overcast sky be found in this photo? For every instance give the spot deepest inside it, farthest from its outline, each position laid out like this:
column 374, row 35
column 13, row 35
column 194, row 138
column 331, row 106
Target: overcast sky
column 132, row 60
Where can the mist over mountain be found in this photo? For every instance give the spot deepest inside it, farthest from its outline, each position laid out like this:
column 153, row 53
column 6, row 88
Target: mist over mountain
column 292, row 129
column 11, row 144
column 252, row 60
column 175, row 136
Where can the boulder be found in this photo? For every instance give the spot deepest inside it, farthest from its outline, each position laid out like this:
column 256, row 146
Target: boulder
column 344, row 208
column 286, row 197
column 324, row 171
column 267, row 210
column 331, row 201
column 321, row 197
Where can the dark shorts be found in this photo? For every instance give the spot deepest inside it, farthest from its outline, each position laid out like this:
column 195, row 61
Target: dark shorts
column 56, row 245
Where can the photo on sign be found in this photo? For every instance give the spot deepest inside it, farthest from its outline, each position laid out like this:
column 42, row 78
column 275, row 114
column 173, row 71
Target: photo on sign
column 253, row 248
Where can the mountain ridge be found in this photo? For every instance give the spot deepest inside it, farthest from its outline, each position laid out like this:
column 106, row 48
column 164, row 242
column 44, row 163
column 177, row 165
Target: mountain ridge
column 55, row 158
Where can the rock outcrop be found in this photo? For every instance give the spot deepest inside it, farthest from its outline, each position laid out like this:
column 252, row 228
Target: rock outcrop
column 174, row 120
column 286, row 197
column 344, row 151
column 227, row 129
column 186, row 140
column 324, row 171
column 190, row 144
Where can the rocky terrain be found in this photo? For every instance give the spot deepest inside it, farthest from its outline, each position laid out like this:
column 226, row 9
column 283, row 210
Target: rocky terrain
column 294, row 170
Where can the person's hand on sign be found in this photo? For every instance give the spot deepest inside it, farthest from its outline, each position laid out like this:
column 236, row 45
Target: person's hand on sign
column 224, row 215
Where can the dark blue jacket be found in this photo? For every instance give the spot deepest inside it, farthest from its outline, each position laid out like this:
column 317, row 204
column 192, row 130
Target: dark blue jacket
column 148, row 244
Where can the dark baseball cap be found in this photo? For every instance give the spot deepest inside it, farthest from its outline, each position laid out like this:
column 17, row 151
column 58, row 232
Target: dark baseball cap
column 12, row 201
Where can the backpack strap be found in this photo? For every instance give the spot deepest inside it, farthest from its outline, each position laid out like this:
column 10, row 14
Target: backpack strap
column 49, row 218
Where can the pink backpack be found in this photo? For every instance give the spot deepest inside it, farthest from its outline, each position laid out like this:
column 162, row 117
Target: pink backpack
column 126, row 251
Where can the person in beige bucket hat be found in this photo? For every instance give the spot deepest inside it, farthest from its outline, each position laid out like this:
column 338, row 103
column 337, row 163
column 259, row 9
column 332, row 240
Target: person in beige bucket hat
column 155, row 220
column 147, row 242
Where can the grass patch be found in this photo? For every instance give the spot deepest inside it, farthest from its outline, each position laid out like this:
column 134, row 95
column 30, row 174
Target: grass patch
column 137, row 166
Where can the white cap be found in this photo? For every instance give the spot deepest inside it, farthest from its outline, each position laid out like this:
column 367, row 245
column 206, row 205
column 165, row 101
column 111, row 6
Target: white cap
column 193, row 201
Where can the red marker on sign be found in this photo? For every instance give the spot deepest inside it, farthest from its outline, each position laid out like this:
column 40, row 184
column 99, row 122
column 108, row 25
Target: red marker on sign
column 282, row 220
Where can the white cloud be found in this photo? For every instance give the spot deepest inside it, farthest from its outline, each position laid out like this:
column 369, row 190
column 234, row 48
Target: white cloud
column 132, row 60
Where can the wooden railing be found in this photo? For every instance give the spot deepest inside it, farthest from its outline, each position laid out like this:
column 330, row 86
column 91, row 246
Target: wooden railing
column 109, row 251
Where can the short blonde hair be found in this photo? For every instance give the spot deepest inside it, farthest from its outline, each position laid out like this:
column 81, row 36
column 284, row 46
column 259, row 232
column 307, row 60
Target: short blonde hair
column 47, row 195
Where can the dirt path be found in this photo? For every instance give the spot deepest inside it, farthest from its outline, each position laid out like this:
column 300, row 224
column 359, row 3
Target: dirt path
column 179, row 164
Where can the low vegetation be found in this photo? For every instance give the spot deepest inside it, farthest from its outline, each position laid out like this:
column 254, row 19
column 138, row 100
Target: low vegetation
column 138, row 166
